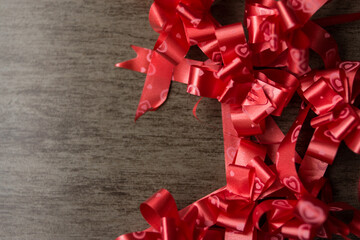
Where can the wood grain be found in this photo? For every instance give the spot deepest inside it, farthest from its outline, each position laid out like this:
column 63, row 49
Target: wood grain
column 73, row 164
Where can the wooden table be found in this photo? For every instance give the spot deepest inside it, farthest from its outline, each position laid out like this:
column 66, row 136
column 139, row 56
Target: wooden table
column 73, row 164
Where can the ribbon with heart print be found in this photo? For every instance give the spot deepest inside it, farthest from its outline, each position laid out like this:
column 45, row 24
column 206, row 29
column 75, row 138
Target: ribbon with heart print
column 332, row 94
column 280, row 34
column 161, row 213
column 305, row 218
column 252, row 79
column 174, row 20
column 255, row 94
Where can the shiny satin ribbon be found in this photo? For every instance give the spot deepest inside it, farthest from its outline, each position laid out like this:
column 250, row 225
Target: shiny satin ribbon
column 173, row 19
column 237, row 209
column 280, row 34
column 331, row 93
column 257, row 93
column 254, row 79
column 307, row 217
column 254, row 95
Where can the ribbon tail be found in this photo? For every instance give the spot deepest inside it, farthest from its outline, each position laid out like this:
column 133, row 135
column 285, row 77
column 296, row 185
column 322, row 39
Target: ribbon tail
column 338, row 19
column 323, row 44
column 195, row 108
column 140, row 63
column 231, row 139
column 353, row 141
column 285, row 163
column 271, row 138
column 355, row 224
column 156, row 85
column 311, row 169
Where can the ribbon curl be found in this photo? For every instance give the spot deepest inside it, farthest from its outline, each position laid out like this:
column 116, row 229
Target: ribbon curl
column 332, row 94
column 253, row 79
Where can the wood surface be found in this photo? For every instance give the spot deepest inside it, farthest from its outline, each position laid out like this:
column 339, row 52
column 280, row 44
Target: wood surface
column 73, row 164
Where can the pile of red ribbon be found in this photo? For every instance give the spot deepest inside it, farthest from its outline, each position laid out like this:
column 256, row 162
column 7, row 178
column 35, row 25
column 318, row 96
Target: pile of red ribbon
column 267, row 196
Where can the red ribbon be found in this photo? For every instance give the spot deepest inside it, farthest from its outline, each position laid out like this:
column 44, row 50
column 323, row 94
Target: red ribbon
column 331, row 94
column 253, row 79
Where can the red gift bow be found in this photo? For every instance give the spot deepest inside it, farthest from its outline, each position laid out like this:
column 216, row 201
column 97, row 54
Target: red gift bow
column 173, row 20
column 331, row 94
column 228, row 75
column 281, row 34
column 305, row 218
column 161, row 213
column 229, row 207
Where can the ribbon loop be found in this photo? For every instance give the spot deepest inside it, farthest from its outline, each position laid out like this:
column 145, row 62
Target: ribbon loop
column 253, row 79
column 160, row 205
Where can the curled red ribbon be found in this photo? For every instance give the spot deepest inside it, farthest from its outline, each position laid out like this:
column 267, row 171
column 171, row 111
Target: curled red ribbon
column 253, row 79
column 331, row 93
